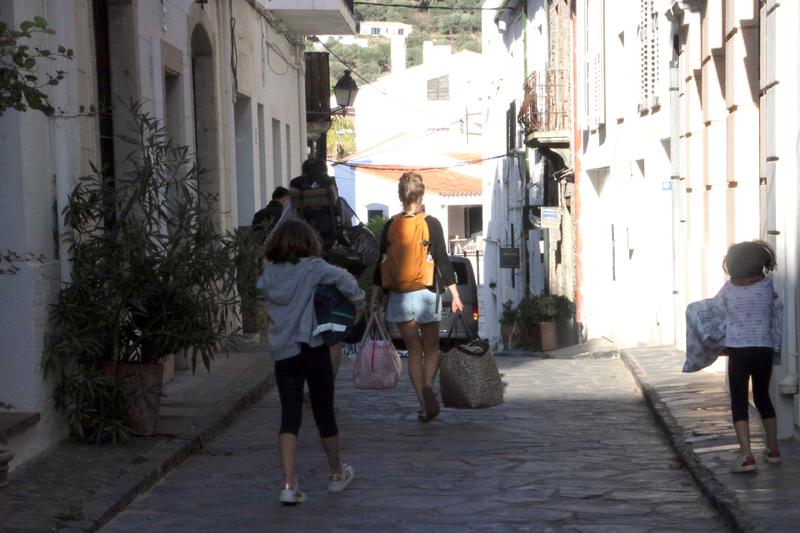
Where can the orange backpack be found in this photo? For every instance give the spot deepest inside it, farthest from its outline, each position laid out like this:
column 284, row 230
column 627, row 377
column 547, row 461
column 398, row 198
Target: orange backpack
column 407, row 265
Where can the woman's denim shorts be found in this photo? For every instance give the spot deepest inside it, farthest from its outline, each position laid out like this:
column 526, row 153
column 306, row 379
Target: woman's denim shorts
column 416, row 305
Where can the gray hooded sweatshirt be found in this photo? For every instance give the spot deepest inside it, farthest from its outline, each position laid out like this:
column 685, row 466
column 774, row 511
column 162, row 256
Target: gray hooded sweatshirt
column 288, row 290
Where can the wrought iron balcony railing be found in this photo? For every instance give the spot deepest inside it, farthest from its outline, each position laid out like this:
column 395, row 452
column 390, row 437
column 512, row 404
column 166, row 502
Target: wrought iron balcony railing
column 545, row 113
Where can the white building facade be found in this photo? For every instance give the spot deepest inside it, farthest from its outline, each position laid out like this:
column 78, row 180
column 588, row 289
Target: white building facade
column 686, row 128
column 235, row 97
column 526, row 146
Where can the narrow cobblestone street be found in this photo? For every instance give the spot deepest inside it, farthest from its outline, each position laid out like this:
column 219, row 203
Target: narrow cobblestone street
column 574, row 448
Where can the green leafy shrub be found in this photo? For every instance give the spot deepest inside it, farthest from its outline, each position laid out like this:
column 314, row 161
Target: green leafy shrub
column 509, row 315
column 151, row 275
column 21, row 82
column 565, row 307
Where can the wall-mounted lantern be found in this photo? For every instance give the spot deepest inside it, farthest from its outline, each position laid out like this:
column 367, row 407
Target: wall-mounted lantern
column 345, row 92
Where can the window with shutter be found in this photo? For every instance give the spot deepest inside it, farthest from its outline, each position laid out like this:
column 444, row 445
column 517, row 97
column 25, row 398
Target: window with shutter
column 511, row 127
column 648, row 54
column 439, row 88
column 594, row 62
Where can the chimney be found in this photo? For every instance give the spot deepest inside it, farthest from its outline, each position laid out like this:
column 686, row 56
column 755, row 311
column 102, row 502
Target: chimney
column 434, row 54
column 398, row 54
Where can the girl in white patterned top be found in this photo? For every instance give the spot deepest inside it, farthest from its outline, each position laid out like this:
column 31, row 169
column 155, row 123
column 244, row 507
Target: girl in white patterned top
column 748, row 298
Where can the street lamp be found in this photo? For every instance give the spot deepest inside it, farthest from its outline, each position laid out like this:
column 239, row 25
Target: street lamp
column 345, row 92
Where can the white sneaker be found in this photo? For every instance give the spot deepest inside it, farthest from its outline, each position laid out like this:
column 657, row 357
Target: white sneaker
column 338, row 483
column 292, row 495
column 744, row 463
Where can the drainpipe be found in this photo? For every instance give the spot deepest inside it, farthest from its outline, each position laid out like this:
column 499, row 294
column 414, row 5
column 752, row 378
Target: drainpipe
column 524, row 234
column 63, row 131
column 789, row 384
column 577, row 168
column 677, row 196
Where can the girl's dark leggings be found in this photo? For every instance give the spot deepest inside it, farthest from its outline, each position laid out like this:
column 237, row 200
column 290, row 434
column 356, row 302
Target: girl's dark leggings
column 743, row 364
column 312, row 365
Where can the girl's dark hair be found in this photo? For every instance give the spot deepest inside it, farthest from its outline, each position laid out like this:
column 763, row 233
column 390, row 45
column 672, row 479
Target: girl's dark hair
column 747, row 259
column 293, row 240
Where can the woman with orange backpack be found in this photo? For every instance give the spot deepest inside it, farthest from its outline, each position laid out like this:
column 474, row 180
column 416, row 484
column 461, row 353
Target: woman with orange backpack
column 413, row 256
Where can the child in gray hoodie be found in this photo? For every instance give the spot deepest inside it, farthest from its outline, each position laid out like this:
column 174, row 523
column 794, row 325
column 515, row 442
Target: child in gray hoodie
column 291, row 275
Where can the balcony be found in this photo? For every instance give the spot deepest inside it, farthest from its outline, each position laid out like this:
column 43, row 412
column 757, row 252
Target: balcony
column 546, row 114
column 314, row 17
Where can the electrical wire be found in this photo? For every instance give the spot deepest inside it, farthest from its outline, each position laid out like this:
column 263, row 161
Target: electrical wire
column 431, row 131
column 417, row 169
column 365, row 80
column 425, row 6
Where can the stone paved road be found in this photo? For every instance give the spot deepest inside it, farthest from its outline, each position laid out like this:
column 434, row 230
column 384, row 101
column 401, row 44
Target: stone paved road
column 574, row 448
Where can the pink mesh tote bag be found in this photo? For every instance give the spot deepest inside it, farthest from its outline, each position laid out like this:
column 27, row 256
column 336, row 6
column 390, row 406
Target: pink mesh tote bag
column 377, row 364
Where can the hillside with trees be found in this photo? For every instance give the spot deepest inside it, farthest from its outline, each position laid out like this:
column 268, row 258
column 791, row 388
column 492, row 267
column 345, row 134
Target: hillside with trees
column 461, row 28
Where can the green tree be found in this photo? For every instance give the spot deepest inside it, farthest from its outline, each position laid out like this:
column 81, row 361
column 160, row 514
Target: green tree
column 21, row 85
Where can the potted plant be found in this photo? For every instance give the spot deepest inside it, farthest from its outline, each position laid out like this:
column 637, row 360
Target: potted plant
column 547, row 309
column 508, row 322
column 151, row 275
column 527, row 323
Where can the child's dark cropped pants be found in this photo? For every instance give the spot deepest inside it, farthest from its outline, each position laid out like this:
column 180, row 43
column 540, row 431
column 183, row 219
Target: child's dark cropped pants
column 744, row 364
column 312, row 365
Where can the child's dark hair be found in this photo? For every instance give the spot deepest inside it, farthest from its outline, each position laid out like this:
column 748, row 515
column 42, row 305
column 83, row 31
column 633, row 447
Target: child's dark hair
column 748, row 259
column 293, row 240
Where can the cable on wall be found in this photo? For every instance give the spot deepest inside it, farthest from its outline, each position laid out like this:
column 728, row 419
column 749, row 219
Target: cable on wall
column 234, row 54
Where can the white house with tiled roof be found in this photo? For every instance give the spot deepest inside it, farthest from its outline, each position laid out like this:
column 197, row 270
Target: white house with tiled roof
column 453, row 187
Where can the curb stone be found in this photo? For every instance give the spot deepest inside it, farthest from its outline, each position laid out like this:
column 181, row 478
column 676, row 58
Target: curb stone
column 164, row 458
column 723, row 499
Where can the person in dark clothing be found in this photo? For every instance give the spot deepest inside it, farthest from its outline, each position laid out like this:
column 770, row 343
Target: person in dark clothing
column 324, row 220
column 266, row 218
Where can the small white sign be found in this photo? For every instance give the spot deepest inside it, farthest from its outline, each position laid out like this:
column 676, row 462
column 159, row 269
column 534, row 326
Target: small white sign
column 549, row 217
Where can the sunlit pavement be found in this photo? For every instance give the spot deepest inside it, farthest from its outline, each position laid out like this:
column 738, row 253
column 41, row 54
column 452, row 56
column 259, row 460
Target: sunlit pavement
column 574, row 448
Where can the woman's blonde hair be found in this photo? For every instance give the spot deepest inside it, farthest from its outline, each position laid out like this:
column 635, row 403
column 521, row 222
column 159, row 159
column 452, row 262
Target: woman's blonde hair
column 410, row 189
column 291, row 241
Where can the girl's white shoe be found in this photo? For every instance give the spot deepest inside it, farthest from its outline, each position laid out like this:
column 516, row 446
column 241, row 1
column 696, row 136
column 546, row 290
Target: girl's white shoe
column 292, row 495
column 337, row 483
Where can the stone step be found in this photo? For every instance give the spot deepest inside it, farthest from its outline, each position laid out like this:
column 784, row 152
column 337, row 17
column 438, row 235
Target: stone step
column 15, row 423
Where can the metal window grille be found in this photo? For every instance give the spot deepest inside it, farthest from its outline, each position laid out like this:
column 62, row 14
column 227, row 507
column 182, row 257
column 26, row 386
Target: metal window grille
column 648, row 53
column 546, row 104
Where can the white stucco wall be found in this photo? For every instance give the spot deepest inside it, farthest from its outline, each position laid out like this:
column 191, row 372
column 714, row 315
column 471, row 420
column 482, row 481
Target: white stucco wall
column 41, row 157
column 398, row 104
column 36, row 153
column 504, row 194
column 780, row 163
column 624, row 188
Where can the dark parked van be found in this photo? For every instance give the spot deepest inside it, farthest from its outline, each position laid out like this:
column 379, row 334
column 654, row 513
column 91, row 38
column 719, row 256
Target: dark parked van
column 468, row 291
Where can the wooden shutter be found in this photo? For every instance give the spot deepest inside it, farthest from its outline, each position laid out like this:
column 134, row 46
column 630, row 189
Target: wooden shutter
column 597, row 58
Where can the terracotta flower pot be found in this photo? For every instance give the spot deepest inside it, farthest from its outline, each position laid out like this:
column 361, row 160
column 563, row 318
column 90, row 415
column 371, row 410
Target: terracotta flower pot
column 549, row 335
column 143, row 383
column 5, row 457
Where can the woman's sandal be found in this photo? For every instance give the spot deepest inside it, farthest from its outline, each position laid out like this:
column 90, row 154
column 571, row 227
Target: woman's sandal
column 422, row 418
column 431, row 404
